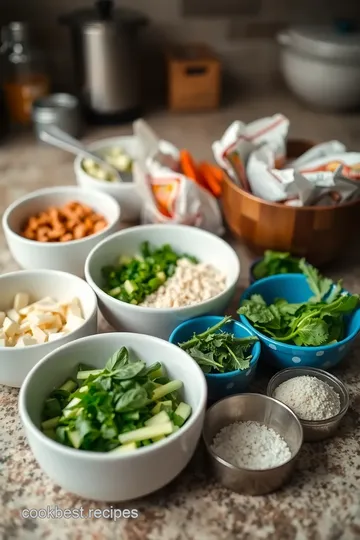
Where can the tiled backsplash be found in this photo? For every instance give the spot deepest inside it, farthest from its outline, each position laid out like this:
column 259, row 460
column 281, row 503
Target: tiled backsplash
column 242, row 31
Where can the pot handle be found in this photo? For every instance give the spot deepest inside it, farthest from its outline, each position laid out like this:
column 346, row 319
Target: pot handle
column 283, row 38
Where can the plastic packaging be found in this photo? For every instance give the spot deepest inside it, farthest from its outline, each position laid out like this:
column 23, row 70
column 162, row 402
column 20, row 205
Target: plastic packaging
column 168, row 196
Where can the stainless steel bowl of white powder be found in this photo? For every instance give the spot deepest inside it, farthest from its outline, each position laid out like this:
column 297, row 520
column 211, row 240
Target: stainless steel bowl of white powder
column 253, row 442
column 319, row 399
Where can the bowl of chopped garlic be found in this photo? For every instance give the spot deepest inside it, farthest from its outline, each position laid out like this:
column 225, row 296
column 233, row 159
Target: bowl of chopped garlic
column 319, row 399
column 57, row 227
column 120, row 152
column 39, row 311
column 150, row 278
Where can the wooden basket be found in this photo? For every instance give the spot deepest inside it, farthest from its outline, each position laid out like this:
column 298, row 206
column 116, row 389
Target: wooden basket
column 317, row 233
column 193, row 78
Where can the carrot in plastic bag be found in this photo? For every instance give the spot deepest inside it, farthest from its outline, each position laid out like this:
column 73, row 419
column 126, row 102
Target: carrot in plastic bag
column 189, row 168
column 212, row 183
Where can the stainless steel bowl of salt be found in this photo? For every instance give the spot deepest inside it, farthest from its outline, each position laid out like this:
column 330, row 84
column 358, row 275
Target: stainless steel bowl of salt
column 252, row 441
column 319, row 399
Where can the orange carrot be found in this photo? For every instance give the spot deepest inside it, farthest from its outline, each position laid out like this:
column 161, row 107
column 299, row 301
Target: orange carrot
column 211, row 180
column 189, row 168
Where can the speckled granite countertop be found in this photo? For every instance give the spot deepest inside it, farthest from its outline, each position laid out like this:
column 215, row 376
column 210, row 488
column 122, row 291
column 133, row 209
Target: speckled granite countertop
column 323, row 499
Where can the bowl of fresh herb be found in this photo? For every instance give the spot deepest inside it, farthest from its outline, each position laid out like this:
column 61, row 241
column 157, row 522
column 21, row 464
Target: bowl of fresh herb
column 273, row 263
column 226, row 350
column 301, row 319
column 114, row 416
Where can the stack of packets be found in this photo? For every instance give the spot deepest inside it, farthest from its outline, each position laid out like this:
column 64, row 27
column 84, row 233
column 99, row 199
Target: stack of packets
column 173, row 188
column 254, row 156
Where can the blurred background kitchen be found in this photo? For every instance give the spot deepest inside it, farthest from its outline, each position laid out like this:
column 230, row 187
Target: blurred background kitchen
column 242, row 33
column 190, row 67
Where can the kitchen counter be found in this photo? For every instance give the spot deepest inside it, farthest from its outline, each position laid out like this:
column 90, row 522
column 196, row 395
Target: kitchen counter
column 323, row 499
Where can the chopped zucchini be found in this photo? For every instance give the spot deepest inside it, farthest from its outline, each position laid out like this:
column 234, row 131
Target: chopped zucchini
column 181, row 414
column 148, row 432
column 69, row 386
column 165, row 389
column 51, row 423
column 124, row 448
column 159, row 418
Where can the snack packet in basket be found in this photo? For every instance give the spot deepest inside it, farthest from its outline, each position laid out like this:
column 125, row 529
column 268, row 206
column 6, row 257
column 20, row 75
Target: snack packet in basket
column 170, row 197
column 327, row 180
column 240, row 140
column 320, row 151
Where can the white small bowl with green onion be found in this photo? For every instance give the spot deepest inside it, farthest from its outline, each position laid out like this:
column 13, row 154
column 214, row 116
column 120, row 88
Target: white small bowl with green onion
column 127, row 448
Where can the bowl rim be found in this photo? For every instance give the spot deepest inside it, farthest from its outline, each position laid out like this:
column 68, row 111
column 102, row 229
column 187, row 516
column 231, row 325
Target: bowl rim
column 101, row 456
column 146, row 309
column 256, row 471
column 288, row 346
column 39, row 193
column 58, row 273
column 217, row 318
column 313, row 372
column 284, row 207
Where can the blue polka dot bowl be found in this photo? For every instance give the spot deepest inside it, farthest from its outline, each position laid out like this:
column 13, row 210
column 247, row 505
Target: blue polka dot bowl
column 294, row 288
column 221, row 385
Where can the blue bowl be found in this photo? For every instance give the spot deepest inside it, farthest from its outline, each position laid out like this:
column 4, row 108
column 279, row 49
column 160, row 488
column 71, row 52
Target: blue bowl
column 220, row 384
column 294, row 288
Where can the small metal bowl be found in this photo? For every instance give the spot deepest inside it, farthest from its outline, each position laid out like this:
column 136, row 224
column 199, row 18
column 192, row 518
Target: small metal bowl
column 257, row 408
column 315, row 430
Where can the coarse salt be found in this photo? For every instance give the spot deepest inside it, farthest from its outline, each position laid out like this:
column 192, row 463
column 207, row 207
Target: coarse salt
column 251, row 445
column 309, row 397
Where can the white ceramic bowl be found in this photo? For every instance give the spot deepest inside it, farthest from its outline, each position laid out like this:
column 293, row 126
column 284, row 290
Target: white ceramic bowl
column 125, row 193
column 66, row 256
column 205, row 246
column 15, row 363
column 105, row 476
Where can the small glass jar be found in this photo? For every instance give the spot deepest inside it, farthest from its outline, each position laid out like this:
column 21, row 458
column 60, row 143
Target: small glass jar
column 25, row 77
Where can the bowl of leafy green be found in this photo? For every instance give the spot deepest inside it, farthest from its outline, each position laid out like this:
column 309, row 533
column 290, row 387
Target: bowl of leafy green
column 273, row 263
column 301, row 319
column 114, row 416
column 226, row 350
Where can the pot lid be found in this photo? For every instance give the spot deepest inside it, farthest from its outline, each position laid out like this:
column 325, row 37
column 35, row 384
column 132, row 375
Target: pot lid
column 103, row 12
column 325, row 41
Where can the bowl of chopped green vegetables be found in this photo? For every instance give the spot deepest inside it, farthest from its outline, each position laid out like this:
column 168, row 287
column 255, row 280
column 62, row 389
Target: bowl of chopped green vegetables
column 151, row 278
column 226, row 350
column 301, row 319
column 272, row 263
column 113, row 417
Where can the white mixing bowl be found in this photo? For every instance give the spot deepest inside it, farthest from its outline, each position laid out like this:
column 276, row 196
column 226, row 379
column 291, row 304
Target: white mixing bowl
column 15, row 363
column 206, row 247
column 106, row 476
column 66, row 256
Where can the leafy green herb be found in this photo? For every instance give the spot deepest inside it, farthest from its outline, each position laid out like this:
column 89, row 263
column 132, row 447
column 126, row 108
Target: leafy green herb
column 276, row 262
column 123, row 398
column 219, row 352
column 134, row 278
column 319, row 321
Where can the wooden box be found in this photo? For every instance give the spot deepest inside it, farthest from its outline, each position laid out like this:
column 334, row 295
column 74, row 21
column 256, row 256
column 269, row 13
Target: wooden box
column 194, row 78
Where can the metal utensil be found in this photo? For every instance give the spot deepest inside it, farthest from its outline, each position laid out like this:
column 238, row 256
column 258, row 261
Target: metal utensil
column 257, row 408
column 58, row 110
column 316, row 430
column 59, row 138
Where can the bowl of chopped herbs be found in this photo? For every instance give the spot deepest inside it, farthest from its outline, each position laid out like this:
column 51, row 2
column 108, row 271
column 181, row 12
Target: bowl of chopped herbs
column 273, row 263
column 301, row 319
column 226, row 350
